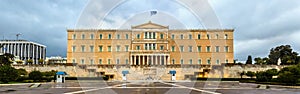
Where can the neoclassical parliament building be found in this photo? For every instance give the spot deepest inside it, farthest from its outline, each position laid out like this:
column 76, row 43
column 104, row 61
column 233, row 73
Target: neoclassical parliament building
column 150, row 44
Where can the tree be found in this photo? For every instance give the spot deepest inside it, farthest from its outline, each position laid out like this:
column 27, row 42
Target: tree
column 8, row 73
column 6, row 59
column 41, row 61
column 22, row 72
column 261, row 76
column 261, row 61
column 265, row 76
column 285, row 53
column 242, row 73
column 290, row 75
column 19, row 62
column 250, row 74
column 249, row 60
column 29, row 61
column 271, row 72
column 35, row 75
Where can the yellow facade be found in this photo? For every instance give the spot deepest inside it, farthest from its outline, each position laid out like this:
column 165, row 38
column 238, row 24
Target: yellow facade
column 150, row 44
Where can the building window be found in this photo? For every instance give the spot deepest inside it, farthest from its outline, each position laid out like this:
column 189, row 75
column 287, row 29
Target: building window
column 118, row 36
column 150, row 35
column 126, row 61
column 218, row 61
column 207, row 48
column 181, row 61
column 138, row 36
column 92, row 36
column 154, row 46
column 199, row 48
column 137, row 47
column 161, row 36
column 217, row 49
column 100, row 48
column 173, row 36
column 154, row 35
column 91, row 48
column 91, row 61
column 82, row 36
column 100, row 61
column 73, row 48
column 109, row 36
column 146, row 46
column 109, row 48
column 118, row 61
column 118, row 48
column 217, row 36
column 173, row 61
column 108, row 61
column 226, row 48
column 126, row 36
column 82, row 48
column 146, row 35
column 199, row 36
column 190, row 36
column 208, row 37
column 208, row 61
column 226, row 36
column 126, row 48
column 173, row 48
column 190, row 48
column 82, row 61
column 100, row 36
column 161, row 47
column 226, row 61
column 199, row 61
column 191, row 61
column 181, row 48
column 181, row 36
column 73, row 61
column 74, row 36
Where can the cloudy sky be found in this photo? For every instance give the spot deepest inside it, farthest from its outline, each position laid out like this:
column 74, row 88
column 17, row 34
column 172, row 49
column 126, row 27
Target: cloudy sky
column 259, row 24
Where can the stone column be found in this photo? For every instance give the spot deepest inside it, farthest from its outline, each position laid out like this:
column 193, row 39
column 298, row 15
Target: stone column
column 148, row 59
column 165, row 60
column 168, row 58
column 134, row 61
column 156, row 59
column 152, row 59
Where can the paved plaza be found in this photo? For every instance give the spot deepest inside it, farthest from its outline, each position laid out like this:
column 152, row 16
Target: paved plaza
column 146, row 87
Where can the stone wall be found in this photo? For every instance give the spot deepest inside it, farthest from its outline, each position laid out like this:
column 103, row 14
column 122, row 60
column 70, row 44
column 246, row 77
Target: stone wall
column 155, row 73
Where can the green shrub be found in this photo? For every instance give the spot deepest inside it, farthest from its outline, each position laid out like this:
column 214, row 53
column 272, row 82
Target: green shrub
column 36, row 76
column 8, row 73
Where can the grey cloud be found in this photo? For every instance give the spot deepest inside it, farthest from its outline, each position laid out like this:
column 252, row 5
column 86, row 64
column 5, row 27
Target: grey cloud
column 42, row 21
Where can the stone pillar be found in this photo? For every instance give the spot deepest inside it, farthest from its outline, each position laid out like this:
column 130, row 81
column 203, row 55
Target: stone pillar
column 148, row 57
column 156, row 60
column 165, row 59
column 152, row 59
column 134, row 61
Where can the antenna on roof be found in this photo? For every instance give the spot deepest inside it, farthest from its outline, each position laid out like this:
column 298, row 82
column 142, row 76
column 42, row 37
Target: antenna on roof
column 18, row 35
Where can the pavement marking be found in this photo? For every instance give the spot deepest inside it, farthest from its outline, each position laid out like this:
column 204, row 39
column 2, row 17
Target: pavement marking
column 148, row 87
column 82, row 91
column 191, row 88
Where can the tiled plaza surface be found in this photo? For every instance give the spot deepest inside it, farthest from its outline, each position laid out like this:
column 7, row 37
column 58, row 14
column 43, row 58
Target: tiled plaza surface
column 146, row 87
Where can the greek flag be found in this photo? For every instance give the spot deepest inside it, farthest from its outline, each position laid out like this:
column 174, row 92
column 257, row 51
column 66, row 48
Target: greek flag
column 153, row 13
